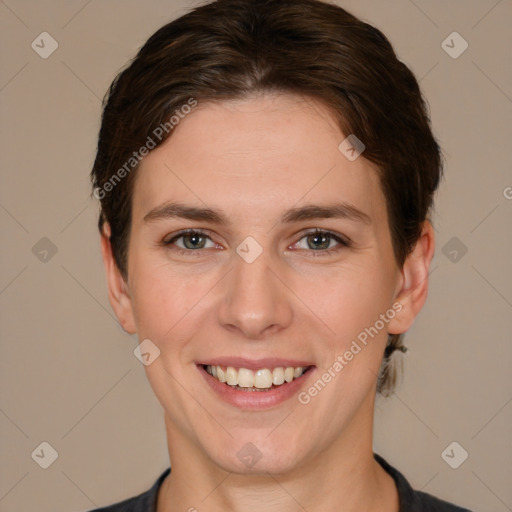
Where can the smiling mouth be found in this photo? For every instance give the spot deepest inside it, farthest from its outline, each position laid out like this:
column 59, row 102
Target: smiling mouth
column 264, row 379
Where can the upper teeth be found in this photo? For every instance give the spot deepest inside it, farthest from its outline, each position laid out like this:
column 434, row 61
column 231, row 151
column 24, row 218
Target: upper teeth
column 262, row 379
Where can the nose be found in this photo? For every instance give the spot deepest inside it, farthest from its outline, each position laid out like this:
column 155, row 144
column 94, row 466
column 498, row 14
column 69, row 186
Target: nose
column 255, row 301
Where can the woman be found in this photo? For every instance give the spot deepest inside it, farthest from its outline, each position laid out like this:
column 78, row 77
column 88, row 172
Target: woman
column 265, row 170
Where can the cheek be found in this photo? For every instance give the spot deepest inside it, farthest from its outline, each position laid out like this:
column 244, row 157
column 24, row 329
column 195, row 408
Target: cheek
column 350, row 298
column 170, row 304
column 351, row 304
column 160, row 299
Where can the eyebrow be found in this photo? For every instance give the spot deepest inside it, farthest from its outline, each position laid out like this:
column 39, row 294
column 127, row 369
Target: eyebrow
column 341, row 210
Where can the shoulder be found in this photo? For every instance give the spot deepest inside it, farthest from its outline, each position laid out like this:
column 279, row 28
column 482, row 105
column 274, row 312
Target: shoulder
column 135, row 504
column 423, row 502
column 416, row 501
column 145, row 502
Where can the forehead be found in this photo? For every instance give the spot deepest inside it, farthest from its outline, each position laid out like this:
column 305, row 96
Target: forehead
column 262, row 154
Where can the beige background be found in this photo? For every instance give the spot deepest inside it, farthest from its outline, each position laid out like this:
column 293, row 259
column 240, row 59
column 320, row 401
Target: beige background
column 68, row 373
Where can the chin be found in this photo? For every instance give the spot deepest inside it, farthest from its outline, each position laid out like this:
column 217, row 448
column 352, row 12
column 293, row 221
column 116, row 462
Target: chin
column 257, row 455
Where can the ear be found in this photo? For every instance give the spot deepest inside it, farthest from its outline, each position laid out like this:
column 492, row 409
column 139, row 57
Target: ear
column 412, row 289
column 118, row 292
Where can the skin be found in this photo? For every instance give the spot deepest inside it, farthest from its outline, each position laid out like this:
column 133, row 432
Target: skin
column 254, row 159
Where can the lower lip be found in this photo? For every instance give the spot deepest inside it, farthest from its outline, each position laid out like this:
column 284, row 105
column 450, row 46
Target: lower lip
column 255, row 399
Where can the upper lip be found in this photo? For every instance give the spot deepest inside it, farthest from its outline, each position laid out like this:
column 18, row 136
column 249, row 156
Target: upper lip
column 255, row 364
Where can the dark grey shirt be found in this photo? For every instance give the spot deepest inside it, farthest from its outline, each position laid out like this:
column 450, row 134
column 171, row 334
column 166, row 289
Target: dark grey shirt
column 410, row 500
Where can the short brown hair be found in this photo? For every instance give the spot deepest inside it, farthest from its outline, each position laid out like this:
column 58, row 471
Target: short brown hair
column 229, row 49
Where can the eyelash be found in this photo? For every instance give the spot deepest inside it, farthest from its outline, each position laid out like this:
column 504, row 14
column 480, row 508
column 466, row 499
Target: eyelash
column 343, row 243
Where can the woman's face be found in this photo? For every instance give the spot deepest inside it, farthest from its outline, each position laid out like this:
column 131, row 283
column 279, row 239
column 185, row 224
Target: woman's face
column 252, row 286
